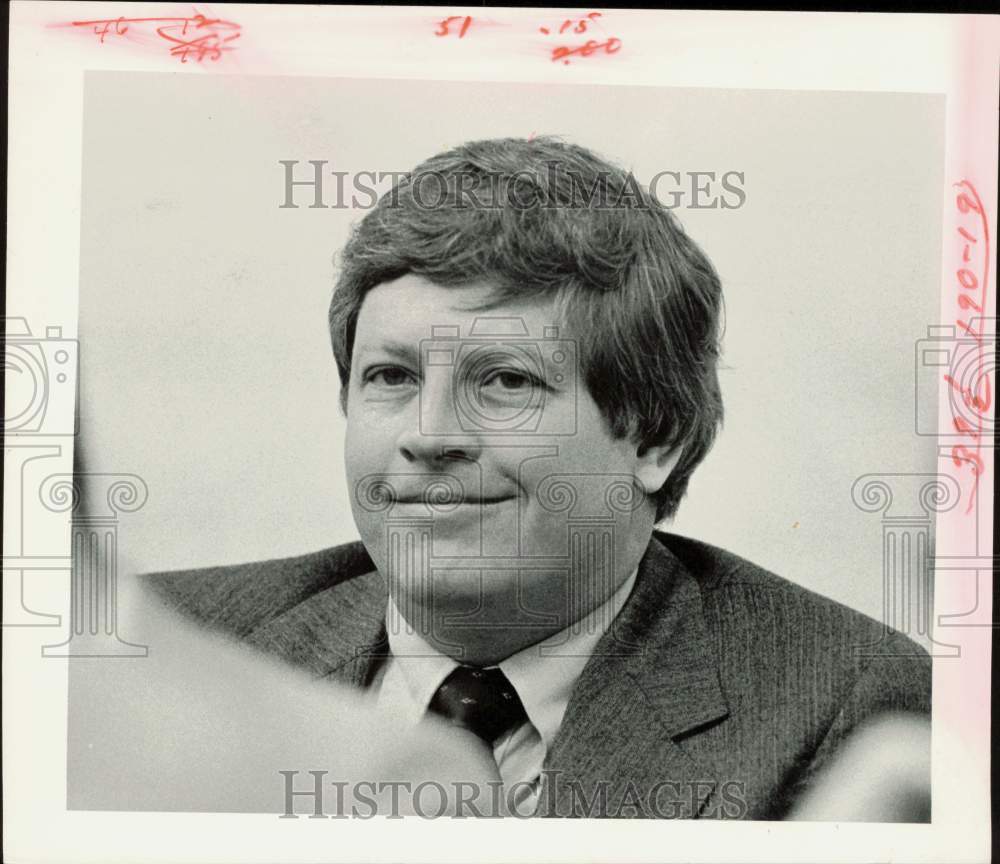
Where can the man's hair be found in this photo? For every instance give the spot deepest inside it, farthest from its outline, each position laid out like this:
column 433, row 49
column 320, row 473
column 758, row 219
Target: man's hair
column 542, row 216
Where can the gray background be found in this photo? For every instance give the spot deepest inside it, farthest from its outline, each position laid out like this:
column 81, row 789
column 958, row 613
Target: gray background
column 205, row 361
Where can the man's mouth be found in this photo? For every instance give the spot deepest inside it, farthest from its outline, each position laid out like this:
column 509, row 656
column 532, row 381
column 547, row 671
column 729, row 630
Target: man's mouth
column 451, row 500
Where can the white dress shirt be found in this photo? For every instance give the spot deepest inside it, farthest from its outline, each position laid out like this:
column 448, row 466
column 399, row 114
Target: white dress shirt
column 543, row 674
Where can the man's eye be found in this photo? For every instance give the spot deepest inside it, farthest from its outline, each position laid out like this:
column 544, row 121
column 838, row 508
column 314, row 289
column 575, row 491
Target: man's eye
column 388, row 376
column 510, row 380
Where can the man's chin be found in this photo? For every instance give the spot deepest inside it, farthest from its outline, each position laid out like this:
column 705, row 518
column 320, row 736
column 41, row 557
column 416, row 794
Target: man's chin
column 452, row 591
column 453, row 600
column 470, row 622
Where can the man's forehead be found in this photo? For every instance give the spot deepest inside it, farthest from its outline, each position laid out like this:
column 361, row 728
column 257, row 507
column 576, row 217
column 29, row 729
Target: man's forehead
column 412, row 308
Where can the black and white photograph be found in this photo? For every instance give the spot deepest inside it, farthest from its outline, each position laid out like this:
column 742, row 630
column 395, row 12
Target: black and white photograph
column 430, row 450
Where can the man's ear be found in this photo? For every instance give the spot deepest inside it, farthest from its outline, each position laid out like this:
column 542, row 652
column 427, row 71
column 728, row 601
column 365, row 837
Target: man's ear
column 654, row 464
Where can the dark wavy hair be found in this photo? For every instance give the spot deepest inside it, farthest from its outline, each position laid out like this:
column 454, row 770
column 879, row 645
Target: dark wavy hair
column 545, row 216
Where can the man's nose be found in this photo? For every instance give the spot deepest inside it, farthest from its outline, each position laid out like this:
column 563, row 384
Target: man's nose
column 437, row 433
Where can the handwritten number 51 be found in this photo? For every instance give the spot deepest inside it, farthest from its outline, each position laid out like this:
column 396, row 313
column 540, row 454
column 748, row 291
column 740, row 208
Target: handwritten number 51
column 443, row 26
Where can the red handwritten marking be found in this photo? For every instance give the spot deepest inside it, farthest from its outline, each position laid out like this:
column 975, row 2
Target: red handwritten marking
column 205, row 42
column 458, row 25
column 580, row 26
column 610, row 46
column 443, row 26
column 120, row 27
column 979, row 396
column 211, row 44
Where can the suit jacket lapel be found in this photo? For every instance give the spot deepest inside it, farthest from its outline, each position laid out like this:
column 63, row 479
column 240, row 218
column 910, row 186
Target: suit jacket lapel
column 652, row 680
column 338, row 632
column 650, row 685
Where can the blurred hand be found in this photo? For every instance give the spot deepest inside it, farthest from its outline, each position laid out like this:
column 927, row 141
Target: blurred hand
column 881, row 774
column 206, row 724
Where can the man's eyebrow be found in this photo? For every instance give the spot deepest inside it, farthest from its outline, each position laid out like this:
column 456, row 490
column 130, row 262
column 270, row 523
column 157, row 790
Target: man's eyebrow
column 400, row 350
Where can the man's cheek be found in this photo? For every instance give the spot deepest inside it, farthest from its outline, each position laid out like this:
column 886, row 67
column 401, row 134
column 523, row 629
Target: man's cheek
column 365, row 447
column 543, row 533
column 372, row 531
column 366, row 505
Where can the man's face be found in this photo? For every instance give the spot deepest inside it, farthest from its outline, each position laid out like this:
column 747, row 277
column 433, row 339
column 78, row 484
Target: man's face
column 484, row 480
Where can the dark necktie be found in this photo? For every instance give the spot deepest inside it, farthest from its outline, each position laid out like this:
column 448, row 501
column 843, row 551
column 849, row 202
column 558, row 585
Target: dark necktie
column 480, row 700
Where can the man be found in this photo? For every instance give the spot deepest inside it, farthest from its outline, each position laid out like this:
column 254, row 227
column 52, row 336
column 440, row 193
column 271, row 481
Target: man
column 527, row 344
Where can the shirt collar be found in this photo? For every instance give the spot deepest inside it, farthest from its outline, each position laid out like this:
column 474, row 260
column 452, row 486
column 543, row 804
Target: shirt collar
column 543, row 674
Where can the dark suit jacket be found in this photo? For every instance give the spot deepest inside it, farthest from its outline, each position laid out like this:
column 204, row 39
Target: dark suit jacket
column 725, row 684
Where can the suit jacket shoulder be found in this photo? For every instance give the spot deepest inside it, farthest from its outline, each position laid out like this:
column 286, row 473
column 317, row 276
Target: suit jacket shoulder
column 771, row 633
column 240, row 598
column 732, row 586
column 795, row 667
column 742, row 597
